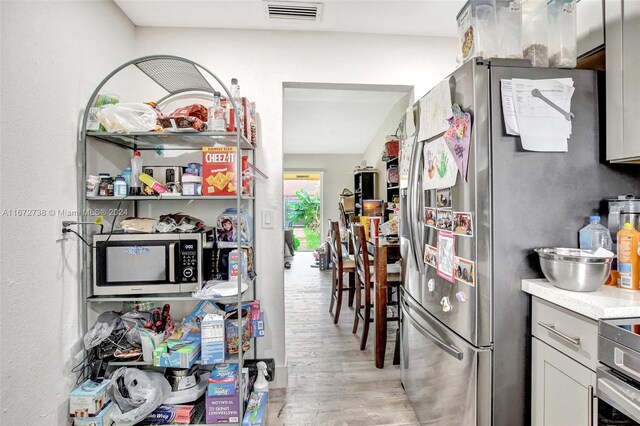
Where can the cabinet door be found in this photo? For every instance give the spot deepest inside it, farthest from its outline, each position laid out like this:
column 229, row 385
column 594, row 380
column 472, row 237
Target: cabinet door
column 562, row 389
column 622, row 21
column 631, row 74
column 590, row 25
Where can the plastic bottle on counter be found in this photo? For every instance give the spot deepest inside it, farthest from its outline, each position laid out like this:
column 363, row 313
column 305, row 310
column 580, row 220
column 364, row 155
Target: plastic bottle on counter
column 628, row 257
column 120, row 187
column 594, row 235
column 136, row 170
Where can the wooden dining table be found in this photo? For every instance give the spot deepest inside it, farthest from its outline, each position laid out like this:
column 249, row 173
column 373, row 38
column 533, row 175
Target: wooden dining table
column 384, row 251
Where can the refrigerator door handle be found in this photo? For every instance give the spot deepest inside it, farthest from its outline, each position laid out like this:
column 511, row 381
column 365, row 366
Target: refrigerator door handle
column 414, row 202
column 449, row 349
column 410, row 198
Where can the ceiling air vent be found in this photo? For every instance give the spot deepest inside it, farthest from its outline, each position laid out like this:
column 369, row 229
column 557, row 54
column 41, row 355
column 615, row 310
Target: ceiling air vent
column 294, row 10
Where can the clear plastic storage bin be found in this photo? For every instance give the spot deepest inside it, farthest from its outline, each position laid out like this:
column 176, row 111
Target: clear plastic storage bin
column 535, row 43
column 477, row 26
column 509, row 18
column 563, row 50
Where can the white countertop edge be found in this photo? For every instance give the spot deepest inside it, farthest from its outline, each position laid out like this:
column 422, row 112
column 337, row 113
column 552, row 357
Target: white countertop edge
column 606, row 302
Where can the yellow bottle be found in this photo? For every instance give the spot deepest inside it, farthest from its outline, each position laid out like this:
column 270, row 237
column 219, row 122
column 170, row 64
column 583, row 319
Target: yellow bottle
column 628, row 258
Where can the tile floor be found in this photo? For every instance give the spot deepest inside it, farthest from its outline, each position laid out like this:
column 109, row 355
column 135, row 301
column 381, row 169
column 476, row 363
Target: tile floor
column 332, row 382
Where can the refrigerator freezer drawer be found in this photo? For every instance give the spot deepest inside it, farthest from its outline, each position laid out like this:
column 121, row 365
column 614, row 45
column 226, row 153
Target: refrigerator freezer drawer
column 448, row 381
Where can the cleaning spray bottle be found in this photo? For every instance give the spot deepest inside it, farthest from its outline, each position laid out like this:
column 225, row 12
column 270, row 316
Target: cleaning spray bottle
column 261, row 384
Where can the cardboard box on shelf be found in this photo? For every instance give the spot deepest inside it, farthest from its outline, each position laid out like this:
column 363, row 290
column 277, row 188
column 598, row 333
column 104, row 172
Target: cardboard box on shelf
column 257, row 326
column 181, row 353
column 212, row 339
column 222, row 409
column 103, row 418
column 168, row 414
column 223, row 379
column 256, row 413
column 219, row 171
column 88, row 399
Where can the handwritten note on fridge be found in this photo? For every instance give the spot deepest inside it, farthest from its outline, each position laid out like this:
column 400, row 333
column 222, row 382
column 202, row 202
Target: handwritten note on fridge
column 542, row 125
column 435, row 108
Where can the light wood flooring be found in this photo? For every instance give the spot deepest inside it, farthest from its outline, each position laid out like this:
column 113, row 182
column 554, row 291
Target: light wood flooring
column 332, row 382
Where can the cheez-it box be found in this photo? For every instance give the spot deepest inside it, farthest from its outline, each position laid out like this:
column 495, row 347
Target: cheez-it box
column 219, row 171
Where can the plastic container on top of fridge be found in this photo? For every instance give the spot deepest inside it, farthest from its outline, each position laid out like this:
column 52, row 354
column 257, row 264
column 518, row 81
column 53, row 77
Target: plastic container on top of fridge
column 477, row 29
column 509, row 37
column 535, row 38
column 563, row 43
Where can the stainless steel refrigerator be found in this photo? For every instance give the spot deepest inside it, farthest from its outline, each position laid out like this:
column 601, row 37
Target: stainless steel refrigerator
column 471, row 365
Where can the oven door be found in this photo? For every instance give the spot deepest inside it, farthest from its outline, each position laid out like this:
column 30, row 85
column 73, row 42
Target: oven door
column 128, row 264
column 619, row 398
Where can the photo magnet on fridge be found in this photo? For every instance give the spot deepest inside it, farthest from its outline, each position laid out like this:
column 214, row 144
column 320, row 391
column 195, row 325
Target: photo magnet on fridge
column 430, row 217
column 465, row 271
column 463, row 224
column 444, row 220
column 430, row 255
column 446, row 255
column 443, row 198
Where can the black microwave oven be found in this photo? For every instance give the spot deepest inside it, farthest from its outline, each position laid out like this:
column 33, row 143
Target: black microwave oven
column 151, row 263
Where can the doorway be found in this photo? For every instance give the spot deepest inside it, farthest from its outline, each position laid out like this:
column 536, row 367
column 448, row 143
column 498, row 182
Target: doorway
column 302, row 206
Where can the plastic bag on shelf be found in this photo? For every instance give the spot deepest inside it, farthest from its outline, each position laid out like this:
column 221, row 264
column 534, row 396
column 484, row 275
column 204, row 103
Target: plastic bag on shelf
column 104, row 326
column 134, row 321
column 129, row 117
column 216, row 289
column 136, row 394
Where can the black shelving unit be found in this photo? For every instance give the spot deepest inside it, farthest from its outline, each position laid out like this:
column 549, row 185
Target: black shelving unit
column 364, row 187
column 393, row 189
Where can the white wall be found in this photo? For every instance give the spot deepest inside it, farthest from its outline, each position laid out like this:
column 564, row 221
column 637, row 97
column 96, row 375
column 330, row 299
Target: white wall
column 54, row 53
column 338, row 174
column 264, row 60
column 373, row 154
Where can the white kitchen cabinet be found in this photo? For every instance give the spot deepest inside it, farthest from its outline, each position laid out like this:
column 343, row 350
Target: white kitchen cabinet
column 562, row 390
column 622, row 19
column 590, row 25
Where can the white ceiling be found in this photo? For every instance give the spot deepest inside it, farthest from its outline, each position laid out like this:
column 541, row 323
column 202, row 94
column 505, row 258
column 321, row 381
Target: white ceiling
column 317, row 119
column 405, row 17
column 335, row 120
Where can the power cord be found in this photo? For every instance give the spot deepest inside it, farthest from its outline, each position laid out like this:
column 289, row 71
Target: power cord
column 66, row 230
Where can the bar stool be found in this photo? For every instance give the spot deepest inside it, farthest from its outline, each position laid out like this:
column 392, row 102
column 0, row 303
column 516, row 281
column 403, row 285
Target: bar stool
column 341, row 265
column 365, row 280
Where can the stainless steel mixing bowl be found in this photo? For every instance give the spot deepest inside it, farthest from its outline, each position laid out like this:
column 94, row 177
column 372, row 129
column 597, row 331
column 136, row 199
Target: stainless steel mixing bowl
column 570, row 269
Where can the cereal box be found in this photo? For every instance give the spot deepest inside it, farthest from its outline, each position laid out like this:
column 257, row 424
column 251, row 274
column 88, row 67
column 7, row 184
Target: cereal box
column 219, row 171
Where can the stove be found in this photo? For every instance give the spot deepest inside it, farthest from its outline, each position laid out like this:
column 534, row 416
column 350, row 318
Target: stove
column 618, row 376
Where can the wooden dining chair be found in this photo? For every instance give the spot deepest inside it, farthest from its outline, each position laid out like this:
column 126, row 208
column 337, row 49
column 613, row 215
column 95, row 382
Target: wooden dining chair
column 365, row 279
column 341, row 265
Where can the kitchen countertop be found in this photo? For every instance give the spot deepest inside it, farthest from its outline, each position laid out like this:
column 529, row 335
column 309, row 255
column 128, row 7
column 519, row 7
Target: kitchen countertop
column 606, row 302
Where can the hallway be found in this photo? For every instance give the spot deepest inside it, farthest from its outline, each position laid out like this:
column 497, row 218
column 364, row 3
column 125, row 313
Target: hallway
column 332, row 382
